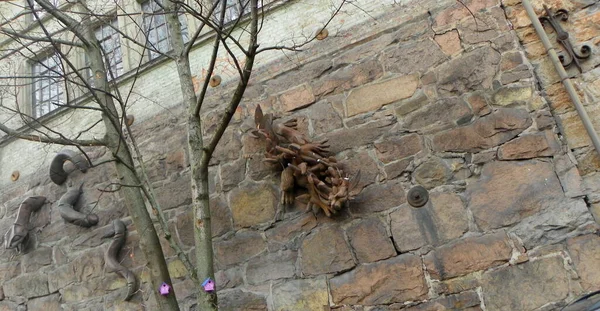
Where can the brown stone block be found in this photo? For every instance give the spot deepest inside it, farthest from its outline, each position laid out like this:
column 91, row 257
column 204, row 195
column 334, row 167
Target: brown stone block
column 574, row 130
column 360, row 166
column 296, row 98
column 299, row 75
column 479, row 104
column 444, row 113
column 252, row 204
column 398, row 147
column 174, row 193
column 457, row 11
column 460, row 284
column 347, row 78
column 463, row 301
column 232, row 174
column 393, row 280
column 459, row 75
column 469, row 255
column 487, row 132
column 242, row 301
column 589, row 162
column 512, row 95
column 325, row 251
column 370, row 240
column 286, row 235
column 239, row 248
column 46, row 303
column 271, row 266
column 432, row 173
column 301, row 295
column 585, row 252
column 324, row 117
column 27, row 285
column 584, row 24
column 529, row 146
column 395, row 169
column 526, row 286
column 558, row 98
column 358, row 136
column 378, row 197
column 449, row 42
column 374, row 96
column 228, row 149
column 413, row 57
column 441, row 220
column 229, row 278
column 510, row 191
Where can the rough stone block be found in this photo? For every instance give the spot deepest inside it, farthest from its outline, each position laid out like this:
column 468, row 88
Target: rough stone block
column 459, row 75
column 361, row 166
column 463, row 301
column 487, row 132
column 374, row 96
column 479, row 104
column 242, row 301
column 444, row 113
column 239, row 248
column 432, row 173
column 272, row 266
column 404, row 107
column 370, row 240
column 469, row 255
column 449, row 42
column 358, row 136
column 46, row 303
column 413, row 57
column 252, row 204
column 325, row 251
column 379, row 197
column 323, row 117
column 286, row 235
column 347, row 78
column 440, row 221
column 585, row 252
column 397, row 148
column 27, row 285
column 512, row 95
column 395, row 169
column 174, row 193
column 393, row 280
column 301, row 295
column 529, row 146
column 229, row 278
column 296, row 98
column 510, row 191
column 529, row 285
column 36, row 259
column 232, row 174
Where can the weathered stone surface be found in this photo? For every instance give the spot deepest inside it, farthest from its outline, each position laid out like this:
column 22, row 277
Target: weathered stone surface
column 46, row 303
column 479, row 104
column 9, row 271
column 379, row 197
column 296, row 98
column 370, row 240
column 395, row 169
column 514, row 75
column 459, row 75
column 229, row 147
column 232, row 174
column 398, row 147
column 522, row 284
column 574, row 130
column 544, row 120
column 229, row 278
column 252, row 204
column 359, row 136
column 296, row 76
column 11, row 306
column 393, row 280
column 468, row 255
column 449, row 42
column 286, row 235
column 272, row 266
column 585, row 252
column 432, row 173
column 174, row 193
column 360, row 165
column 348, row 77
column 324, row 118
column 413, row 57
column 36, row 259
column 463, row 301
column 558, row 220
column 374, row 96
column 442, row 220
column 325, row 251
column 487, row 132
column 242, row 301
column 510, row 191
column 418, row 100
column 529, row 146
column 512, row 95
column 27, row 285
column 460, row 284
column 441, row 114
column 301, row 295
column 239, row 248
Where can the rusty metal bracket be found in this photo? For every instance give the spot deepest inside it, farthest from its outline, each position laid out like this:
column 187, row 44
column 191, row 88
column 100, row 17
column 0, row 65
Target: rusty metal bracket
column 562, row 37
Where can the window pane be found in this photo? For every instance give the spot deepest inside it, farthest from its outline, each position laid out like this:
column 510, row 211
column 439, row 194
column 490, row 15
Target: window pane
column 110, row 41
column 47, row 85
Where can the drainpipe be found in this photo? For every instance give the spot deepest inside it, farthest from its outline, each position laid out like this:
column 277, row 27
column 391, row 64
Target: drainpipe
column 585, row 119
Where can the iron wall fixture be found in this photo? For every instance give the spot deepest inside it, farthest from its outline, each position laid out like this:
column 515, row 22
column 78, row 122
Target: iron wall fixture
column 417, row 196
column 16, row 236
column 563, row 38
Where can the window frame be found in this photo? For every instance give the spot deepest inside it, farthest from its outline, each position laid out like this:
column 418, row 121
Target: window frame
column 40, row 66
column 153, row 9
column 118, row 67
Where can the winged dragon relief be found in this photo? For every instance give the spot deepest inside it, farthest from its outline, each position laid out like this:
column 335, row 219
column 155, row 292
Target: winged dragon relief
column 305, row 164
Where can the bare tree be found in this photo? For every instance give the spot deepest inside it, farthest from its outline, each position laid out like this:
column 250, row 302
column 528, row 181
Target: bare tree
column 235, row 27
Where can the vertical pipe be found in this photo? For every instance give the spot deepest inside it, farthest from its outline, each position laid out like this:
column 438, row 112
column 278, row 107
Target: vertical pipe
column 585, row 119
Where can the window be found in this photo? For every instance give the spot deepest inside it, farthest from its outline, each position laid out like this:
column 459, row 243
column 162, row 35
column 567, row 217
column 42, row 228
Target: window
column 155, row 27
column 47, row 88
column 111, row 45
column 234, row 9
column 41, row 12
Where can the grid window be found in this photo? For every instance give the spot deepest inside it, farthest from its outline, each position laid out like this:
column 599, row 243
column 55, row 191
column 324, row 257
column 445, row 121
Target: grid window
column 155, row 26
column 234, row 9
column 47, row 88
column 111, row 45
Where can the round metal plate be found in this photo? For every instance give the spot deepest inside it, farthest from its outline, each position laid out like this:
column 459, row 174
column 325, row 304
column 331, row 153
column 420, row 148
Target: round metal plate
column 417, row 196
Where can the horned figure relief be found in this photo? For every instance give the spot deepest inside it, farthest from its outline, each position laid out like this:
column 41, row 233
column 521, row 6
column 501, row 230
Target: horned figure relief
column 119, row 234
column 66, row 207
column 18, row 234
column 304, row 163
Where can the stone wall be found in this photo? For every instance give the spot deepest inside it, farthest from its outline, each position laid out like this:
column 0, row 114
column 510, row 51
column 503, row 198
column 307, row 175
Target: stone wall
column 457, row 106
